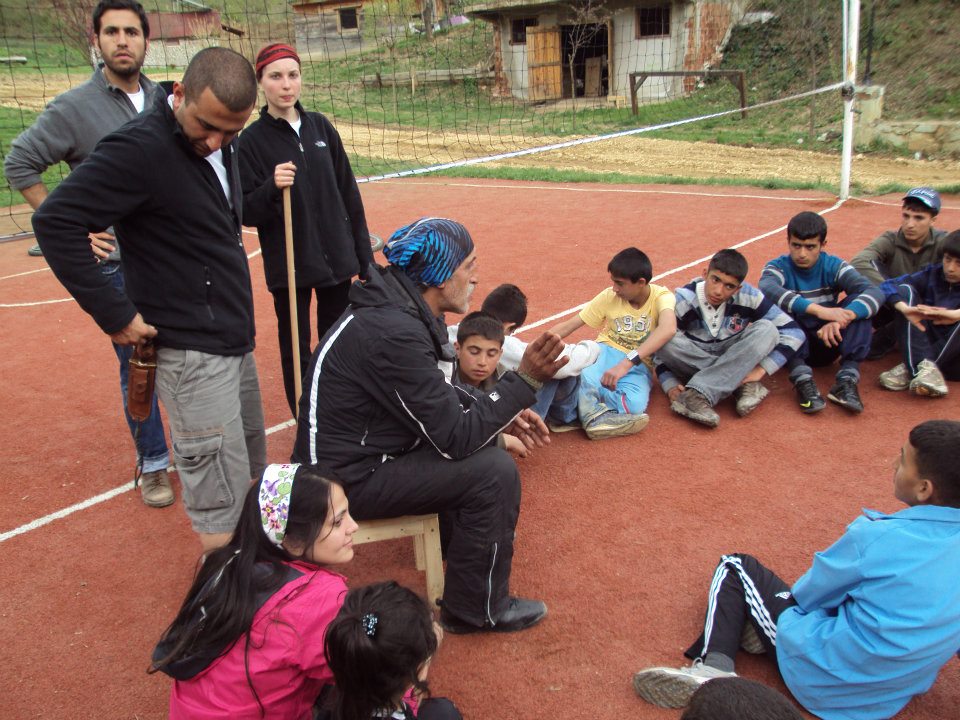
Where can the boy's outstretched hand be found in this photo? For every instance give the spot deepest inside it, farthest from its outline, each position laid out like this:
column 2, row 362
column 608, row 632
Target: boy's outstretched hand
column 541, row 359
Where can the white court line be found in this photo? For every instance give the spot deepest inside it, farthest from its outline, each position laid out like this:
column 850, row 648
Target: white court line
column 28, row 272
column 103, row 497
column 621, row 190
column 97, row 499
column 250, row 256
column 897, row 204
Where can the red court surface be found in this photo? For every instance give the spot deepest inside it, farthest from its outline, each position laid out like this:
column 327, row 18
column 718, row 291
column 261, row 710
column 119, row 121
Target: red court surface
column 619, row 537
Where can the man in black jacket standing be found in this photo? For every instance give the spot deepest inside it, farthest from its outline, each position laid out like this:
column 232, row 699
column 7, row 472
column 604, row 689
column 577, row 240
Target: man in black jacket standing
column 168, row 183
column 378, row 414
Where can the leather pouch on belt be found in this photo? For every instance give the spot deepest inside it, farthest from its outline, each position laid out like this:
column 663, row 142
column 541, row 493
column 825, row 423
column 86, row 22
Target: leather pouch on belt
column 141, row 379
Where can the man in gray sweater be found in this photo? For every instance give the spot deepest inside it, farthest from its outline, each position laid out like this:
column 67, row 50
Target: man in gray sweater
column 901, row 252
column 68, row 130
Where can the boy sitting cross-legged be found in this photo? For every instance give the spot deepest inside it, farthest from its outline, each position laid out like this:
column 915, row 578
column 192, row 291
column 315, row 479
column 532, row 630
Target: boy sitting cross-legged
column 476, row 369
column 635, row 319
column 872, row 621
column 728, row 337
column 927, row 325
column 807, row 283
column 557, row 399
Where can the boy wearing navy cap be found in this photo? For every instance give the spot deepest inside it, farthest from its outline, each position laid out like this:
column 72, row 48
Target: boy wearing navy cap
column 916, row 244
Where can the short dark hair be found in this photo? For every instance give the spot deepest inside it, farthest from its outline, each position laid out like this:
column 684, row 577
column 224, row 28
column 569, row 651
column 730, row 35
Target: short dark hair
column 736, row 698
column 632, row 264
column 918, row 206
column 227, row 73
column 730, row 262
column 480, row 323
column 807, row 225
column 506, row 303
column 951, row 244
column 937, row 447
column 376, row 646
column 131, row 5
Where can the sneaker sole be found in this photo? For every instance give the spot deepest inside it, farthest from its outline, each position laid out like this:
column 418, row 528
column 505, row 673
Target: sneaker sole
column 161, row 504
column 562, row 428
column 851, row 408
column 665, row 687
column 681, row 409
column 631, row 429
column 893, row 388
column 465, row 629
column 927, row 391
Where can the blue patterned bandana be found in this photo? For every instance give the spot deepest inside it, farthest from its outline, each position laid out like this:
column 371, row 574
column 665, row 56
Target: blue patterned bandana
column 429, row 250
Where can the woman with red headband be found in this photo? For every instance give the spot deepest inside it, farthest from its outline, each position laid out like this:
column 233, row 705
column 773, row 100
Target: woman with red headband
column 290, row 147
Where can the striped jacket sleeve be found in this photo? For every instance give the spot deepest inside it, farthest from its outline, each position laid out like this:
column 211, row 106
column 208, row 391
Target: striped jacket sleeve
column 791, row 334
column 688, row 318
column 868, row 298
column 773, row 285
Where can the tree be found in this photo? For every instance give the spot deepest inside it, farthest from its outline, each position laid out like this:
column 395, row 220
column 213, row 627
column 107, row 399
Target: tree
column 72, row 18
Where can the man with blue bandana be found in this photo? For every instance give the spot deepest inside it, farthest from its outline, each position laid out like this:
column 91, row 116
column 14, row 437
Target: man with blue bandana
column 377, row 413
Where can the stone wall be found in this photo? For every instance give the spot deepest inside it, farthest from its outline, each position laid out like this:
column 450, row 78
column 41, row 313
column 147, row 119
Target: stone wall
column 927, row 137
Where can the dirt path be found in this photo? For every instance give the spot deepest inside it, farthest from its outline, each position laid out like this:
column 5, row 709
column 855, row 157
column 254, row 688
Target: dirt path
column 652, row 158
column 631, row 155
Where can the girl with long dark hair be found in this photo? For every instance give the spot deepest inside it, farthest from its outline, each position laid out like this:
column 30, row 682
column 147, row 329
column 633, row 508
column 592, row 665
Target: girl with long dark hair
column 248, row 639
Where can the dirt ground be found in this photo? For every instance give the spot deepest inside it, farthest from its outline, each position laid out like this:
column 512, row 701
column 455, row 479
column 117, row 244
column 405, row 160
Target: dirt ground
column 633, row 155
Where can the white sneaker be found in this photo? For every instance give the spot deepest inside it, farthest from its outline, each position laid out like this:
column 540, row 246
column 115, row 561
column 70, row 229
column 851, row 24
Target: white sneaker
column 749, row 396
column 895, row 379
column 671, row 687
column 929, row 380
column 612, row 424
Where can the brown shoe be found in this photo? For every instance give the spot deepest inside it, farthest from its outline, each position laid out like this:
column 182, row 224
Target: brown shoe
column 155, row 489
column 695, row 406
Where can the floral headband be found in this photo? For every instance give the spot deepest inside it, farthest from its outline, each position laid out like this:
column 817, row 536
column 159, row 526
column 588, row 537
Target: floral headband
column 274, row 500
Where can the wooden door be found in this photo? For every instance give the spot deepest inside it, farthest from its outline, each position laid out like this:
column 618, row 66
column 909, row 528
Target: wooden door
column 544, row 63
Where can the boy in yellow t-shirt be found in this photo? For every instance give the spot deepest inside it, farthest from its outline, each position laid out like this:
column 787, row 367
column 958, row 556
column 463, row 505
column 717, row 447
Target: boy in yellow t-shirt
column 635, row 320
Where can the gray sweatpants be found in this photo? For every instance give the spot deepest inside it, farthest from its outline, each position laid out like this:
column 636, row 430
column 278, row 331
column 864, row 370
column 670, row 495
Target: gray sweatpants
column 717, row 369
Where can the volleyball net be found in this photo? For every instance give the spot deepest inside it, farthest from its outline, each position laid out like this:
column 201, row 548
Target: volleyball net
column 417, row 86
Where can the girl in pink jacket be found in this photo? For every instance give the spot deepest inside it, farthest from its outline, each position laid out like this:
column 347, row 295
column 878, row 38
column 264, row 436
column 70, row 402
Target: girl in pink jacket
column 248, row 639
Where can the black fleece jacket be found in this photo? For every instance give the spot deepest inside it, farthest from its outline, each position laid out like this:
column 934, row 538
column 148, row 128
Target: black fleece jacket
column 330, row 239
column 374, row 391
column 184, row 263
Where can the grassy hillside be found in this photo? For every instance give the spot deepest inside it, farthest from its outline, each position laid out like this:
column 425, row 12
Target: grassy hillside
column 913, row 51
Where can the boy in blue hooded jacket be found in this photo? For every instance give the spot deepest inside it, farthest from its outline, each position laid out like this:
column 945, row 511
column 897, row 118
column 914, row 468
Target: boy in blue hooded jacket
column 872, row 621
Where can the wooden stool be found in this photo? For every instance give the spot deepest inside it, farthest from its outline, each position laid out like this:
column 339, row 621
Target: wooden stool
column 425, row 531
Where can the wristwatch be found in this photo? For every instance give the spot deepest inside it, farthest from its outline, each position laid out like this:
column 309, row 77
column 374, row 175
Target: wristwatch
column 634, row 357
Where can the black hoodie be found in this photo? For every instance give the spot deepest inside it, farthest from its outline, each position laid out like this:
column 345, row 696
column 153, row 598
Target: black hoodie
column 373, row 390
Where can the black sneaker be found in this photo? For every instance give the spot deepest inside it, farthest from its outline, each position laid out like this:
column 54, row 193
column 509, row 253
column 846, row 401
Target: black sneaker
column 844, row 393
column 810, row 399
column 519, row 615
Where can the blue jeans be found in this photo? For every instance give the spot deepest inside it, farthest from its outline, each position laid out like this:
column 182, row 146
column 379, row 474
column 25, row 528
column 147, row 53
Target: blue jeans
column 152, row 443
column 557, row 400
column 630, row 397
